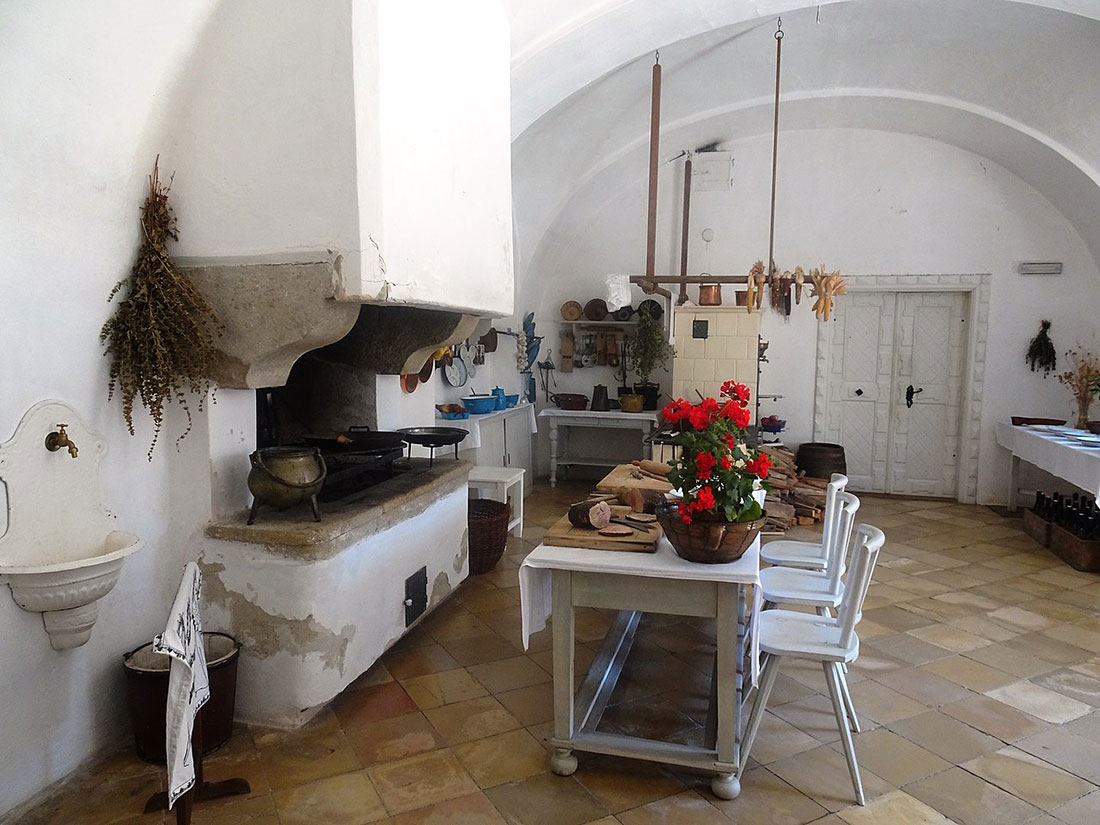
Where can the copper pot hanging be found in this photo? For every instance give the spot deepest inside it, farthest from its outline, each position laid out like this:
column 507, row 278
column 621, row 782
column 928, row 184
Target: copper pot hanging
column 710, row 295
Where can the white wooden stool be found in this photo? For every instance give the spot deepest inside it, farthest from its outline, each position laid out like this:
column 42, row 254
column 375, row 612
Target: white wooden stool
column 496, row 482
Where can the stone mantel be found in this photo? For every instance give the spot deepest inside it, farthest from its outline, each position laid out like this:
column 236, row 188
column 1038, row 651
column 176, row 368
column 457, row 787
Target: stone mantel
column 346, row 522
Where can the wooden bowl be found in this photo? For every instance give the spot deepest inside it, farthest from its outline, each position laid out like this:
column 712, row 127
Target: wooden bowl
column 1021, row 420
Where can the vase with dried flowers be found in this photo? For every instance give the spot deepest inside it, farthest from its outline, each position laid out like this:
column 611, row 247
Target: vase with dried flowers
column 718, row 517
column 1082, row 378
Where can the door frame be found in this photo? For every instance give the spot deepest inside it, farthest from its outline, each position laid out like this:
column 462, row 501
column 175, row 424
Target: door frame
column 976, row 288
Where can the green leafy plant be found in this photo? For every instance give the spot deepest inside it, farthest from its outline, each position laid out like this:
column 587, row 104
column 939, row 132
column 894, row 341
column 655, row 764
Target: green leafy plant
column 161, row 337
column 1040, row 352
column 716, row 470
column 648, row 348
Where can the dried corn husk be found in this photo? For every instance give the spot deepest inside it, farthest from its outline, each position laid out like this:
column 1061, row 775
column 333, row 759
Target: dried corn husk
column 827, row 285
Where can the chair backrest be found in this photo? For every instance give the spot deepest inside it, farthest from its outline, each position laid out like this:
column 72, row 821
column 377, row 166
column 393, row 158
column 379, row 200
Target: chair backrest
column 868, row 542
column 836, row 552
column 828, row 526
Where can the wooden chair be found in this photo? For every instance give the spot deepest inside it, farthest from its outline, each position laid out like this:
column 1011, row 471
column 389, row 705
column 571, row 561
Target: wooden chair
column 831, row 641
column 808, row 554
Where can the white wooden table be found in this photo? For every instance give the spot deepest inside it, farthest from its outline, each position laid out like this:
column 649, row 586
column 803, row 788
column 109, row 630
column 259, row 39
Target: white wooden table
column 554, row 581
column 1072, row 455
column 557, row 419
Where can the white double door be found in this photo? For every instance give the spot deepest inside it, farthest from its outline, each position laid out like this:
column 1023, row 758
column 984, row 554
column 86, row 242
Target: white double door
column 894, row 370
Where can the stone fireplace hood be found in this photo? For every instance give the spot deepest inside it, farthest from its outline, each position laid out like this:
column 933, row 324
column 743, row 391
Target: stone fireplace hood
column 274, row 313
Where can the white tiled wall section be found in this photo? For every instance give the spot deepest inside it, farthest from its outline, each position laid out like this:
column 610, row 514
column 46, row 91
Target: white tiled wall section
column 729, row 351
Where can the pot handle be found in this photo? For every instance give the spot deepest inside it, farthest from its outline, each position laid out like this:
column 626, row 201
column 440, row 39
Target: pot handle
column 359, row 428
column 554, row 398
column 258, row 461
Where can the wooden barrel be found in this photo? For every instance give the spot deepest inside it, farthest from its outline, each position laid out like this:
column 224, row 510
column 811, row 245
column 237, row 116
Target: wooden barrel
column 820, row 460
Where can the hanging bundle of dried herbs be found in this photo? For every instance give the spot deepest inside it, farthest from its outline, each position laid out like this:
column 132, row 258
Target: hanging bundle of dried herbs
column 1040, row 352
column 161, row 337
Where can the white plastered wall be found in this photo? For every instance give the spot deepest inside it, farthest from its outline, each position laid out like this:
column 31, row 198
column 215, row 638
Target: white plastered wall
column 860, row 201
column 248, row 107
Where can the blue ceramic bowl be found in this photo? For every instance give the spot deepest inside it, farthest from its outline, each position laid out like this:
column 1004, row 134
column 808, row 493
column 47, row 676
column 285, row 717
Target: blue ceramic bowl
column 511, row 400
column 480, row 404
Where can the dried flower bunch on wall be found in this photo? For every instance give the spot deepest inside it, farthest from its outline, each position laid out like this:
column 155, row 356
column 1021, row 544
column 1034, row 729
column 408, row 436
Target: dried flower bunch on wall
column 161, row 337
column 1040, row 352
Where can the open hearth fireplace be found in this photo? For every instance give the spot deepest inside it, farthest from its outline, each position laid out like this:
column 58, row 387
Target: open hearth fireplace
column 325, row 418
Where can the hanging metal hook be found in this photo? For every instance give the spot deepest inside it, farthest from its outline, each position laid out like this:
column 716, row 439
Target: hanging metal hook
column 657, row 56
column 779, row 29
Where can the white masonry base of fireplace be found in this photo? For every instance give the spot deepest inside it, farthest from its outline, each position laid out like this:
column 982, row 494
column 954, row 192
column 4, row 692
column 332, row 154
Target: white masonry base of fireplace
column 314, row 613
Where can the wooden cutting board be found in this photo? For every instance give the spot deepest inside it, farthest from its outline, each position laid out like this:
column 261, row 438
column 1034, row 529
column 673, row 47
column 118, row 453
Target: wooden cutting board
column 621, row 477
column 564, row 534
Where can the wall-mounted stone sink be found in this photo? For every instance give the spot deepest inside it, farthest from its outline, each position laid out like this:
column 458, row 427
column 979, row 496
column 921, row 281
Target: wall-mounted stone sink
column 66, row 588
column 61, row 552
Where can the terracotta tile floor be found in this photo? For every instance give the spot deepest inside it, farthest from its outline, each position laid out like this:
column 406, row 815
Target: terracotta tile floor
column 978, row 690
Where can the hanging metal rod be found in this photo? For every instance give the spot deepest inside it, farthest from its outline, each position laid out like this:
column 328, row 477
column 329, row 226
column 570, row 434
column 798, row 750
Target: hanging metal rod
column 690, row 279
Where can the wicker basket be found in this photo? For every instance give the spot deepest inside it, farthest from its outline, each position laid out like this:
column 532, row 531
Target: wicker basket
column 707, row 541
column 488, row 521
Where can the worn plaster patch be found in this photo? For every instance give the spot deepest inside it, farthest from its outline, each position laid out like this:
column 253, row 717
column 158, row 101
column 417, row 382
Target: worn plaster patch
column 441, row 589
column 463, row 551
column 263, row 634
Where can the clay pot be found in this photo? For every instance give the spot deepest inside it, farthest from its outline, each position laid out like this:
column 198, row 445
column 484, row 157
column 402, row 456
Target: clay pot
column 631, row 402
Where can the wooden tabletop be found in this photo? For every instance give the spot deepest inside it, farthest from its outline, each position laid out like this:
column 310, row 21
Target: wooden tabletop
column 621, row 477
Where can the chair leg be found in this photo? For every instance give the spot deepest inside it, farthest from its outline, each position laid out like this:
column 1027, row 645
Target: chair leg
column 767, row 679
column 832, row 676
column 849, row 708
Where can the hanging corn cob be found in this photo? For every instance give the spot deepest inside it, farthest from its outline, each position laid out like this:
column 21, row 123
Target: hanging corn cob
column 826, row 286
column 755, row 274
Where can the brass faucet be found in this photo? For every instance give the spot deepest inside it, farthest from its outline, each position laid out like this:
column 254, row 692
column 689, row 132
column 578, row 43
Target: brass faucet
column 55, row 441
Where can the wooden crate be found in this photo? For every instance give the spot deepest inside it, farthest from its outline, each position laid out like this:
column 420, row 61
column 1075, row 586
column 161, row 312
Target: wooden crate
column 1077, row 553
column 1036, row 527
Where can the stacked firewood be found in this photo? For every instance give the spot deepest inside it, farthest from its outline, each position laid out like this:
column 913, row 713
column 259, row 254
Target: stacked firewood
column 794, row 498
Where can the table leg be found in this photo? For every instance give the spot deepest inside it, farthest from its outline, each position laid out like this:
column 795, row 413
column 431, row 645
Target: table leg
column 729, row 640
column 1013, row 483
column 563, row 762
column 553, row 454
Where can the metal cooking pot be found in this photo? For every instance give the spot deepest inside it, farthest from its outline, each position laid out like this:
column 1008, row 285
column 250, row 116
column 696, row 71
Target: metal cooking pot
column 570, row 400
column 285, row 476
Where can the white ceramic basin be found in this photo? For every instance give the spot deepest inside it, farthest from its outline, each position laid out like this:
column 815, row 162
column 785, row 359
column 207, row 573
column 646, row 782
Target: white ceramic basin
column 64, row 583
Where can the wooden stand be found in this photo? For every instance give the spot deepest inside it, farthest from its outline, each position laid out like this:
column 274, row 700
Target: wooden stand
column 201, row 790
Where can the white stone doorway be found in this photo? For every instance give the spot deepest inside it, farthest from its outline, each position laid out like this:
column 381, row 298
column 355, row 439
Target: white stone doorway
column 896, row 383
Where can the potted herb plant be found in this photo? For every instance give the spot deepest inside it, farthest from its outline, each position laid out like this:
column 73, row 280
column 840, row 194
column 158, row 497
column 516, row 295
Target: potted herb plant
column 649, row 350
column 718, row 517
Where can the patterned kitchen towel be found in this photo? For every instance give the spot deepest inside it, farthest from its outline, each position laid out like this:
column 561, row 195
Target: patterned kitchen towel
column 188, row 685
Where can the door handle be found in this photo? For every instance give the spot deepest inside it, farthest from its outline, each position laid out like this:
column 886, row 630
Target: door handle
column 909, row 393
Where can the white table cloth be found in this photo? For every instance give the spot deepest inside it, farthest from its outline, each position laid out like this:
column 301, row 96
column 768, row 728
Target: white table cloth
column 1069, row 454
column 472, row 425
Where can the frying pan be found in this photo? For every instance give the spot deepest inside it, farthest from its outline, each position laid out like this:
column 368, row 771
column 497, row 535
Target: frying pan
column 433, row 437
column 363, row 441
column 426, row 371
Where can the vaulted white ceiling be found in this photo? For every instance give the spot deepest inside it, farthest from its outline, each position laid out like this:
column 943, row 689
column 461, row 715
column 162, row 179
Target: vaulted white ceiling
column 1015, row 82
